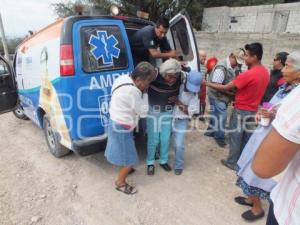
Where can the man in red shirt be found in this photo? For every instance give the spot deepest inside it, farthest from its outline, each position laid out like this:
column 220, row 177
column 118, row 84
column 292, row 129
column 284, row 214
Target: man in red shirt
column 250, row 87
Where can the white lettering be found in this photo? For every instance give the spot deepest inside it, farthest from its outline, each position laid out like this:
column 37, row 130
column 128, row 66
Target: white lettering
column 94, row 84
column 104, row 81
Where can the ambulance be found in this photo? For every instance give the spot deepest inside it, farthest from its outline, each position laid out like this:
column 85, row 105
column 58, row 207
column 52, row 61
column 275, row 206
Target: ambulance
column 62, row 76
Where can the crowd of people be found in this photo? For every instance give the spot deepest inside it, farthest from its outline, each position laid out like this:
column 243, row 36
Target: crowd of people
column 264, row 127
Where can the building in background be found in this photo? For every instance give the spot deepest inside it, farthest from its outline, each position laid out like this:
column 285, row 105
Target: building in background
column 260, row 19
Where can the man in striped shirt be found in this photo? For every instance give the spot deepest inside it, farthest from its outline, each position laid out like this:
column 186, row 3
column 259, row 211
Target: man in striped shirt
column 279, row 150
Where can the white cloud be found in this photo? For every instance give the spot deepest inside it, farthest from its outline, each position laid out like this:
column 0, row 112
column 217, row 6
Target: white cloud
column 19, row 16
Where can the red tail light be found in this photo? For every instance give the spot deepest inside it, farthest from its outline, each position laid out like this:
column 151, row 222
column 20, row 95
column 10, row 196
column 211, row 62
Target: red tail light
column 66, row 60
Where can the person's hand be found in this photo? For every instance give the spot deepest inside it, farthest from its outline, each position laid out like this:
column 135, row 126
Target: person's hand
column 267, row 114
column 204, row 82
column 173, row 54
column 173, row 99
column 257, row 117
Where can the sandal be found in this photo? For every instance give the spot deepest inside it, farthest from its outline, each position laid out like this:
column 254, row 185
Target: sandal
column 126, row 188
column 251, row 217
column 242, row 201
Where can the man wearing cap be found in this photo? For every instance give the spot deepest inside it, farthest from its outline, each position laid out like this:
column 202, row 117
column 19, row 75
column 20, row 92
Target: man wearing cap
column 223, row 73
column 146, row 41
column 186, row 105
column 159, row 120
column 276, row 76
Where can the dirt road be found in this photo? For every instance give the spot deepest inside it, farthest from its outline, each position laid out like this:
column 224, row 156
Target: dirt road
column 36, row 188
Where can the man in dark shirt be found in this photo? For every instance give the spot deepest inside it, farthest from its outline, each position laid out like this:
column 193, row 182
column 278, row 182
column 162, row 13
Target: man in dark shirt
column 276, row 76
column 146, row 41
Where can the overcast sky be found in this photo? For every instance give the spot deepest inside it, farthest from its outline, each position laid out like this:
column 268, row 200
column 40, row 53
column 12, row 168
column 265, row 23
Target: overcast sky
column 19, row 16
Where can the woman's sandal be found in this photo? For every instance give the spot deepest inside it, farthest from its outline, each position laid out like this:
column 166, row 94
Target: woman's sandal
column 242, row 201
column 126, row 188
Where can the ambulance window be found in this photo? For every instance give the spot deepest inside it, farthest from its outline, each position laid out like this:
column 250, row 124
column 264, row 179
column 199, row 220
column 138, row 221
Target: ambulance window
column 181, row 40
column 103, row 48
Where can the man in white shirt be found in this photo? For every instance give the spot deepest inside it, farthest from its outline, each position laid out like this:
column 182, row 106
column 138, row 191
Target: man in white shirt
column 281, row 149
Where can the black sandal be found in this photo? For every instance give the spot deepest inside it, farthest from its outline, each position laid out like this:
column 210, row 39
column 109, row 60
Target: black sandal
column 242, row 201
column 126, row 188
column 251, row 217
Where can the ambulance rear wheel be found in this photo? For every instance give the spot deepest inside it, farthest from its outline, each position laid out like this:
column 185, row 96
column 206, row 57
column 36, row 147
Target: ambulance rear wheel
column 19, row 113
column 55, row 147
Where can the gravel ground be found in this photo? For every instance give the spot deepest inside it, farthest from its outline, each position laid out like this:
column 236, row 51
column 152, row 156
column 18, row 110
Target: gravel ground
column 36, row 188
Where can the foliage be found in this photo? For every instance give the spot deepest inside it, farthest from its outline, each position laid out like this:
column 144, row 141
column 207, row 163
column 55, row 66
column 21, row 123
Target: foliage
column 156, row 8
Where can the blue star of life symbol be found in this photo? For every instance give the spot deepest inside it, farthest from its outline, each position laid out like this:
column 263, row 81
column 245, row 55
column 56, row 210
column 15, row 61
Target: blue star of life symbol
column 104, row 47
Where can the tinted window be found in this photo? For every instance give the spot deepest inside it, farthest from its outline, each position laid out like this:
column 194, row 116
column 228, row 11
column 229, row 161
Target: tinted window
column 103, row 48
column 181, row 40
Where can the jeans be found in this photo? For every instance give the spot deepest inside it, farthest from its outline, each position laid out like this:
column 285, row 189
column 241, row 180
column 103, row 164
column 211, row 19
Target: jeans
column 218, row 119
column 271, row 220
column 179, row 130
column 242, row 125
column 159, row 127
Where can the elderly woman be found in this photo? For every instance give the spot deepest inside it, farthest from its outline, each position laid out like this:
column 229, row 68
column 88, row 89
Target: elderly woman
column 256, row 188
column 129, row 102
column 159, row 120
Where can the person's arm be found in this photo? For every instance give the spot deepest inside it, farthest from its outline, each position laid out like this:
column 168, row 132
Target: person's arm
column 141, row 105
column 220, row 87
column 149, row 44
column 273, row 155
column 154, row 53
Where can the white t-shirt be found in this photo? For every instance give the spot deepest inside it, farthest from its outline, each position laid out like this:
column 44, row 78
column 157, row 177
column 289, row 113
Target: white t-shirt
column 286, row 194
column 128, row 103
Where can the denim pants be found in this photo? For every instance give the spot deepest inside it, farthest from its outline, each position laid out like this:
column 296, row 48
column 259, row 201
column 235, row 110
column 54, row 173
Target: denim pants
column 217, row 122
column 242, row 125
column 179, row 131
column 159, row 127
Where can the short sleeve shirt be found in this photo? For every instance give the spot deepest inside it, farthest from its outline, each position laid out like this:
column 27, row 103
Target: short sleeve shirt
column 145, row 39
column 286, row 194
column 251, row 86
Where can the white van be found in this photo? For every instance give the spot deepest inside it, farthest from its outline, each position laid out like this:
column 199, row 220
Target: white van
column 64, row 74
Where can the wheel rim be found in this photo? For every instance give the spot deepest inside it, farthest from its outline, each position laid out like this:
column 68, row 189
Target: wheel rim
column 19, row 111
column 50, row 136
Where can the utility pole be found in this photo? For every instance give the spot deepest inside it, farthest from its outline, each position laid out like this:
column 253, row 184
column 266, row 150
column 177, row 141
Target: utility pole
column 6, row 54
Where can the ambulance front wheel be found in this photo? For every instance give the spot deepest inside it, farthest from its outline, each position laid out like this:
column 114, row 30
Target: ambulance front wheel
column 55, row 147
column 19, row 112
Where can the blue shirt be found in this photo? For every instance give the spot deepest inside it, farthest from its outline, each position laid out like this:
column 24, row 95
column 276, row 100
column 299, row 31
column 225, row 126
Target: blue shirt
column 145, row 39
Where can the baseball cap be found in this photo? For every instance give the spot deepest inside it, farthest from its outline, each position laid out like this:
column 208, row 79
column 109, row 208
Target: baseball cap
column 193, row 81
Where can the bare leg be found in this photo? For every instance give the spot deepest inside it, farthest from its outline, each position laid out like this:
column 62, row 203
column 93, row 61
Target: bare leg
column 256, row 209
column 123, row 173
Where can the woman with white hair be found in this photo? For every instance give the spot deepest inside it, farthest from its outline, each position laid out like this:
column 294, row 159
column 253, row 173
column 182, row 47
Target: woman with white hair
column 253, row 187
column 159, row 120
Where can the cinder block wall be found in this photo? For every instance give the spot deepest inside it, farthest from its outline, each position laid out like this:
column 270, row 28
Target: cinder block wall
column 262, row 18
column 220, row 44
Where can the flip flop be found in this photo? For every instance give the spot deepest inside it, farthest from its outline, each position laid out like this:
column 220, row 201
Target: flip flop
column 242, row 201
column 126, row 189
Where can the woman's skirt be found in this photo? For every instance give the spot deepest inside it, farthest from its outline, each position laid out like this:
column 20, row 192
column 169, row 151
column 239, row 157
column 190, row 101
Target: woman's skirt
column 120, row 148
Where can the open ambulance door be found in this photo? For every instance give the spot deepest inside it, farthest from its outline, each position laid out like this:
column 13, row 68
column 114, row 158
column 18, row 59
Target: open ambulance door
column 8, row 87
column 181, row 38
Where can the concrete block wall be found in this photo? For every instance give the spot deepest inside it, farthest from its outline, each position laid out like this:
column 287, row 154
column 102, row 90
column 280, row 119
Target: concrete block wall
column 220, row 44
column 262, row 18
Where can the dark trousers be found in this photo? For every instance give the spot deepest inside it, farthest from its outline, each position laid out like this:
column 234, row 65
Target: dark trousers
column 271, row 220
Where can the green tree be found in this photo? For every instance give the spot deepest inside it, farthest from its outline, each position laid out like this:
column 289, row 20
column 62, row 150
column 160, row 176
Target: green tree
column 12, row 43
column 156, row 8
